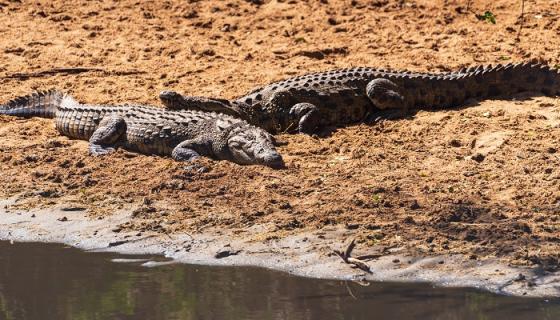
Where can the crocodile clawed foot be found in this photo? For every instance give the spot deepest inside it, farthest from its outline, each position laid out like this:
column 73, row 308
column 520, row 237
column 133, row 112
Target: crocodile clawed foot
column 107, row 134
column 196, row 167
column 99, row 150
column 384, row 115
column 184, row 154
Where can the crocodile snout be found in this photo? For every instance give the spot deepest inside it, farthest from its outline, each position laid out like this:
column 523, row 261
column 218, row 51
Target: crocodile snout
column 171, row 99
column 270, row 158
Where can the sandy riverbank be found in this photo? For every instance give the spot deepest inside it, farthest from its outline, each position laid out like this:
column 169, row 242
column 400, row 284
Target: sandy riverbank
column 307, row 254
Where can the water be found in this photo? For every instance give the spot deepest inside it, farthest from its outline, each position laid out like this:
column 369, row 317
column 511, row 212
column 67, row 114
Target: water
column 40, row 281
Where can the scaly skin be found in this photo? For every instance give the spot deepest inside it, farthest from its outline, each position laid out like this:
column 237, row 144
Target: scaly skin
column 341, row 97
column 183, row 135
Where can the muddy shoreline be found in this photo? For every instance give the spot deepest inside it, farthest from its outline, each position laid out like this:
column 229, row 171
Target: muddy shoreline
column 306, row 254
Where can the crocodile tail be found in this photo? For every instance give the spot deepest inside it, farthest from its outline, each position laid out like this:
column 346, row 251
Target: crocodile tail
column 515, row 78
column 38, row 104
column 550, row 77
column 480, row 82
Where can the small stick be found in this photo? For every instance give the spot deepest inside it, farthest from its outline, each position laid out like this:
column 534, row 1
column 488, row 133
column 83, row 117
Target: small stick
column 346, row 257
column 70, row 71
column 370, row 256
column 522, row 20
column 52, row 72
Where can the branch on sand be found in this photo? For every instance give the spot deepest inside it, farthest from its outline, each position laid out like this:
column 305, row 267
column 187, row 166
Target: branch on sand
column 522, row 20
column 69, row 71
column 346, row 256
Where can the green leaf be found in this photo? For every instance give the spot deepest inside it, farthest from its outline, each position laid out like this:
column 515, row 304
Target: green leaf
column 488, row 16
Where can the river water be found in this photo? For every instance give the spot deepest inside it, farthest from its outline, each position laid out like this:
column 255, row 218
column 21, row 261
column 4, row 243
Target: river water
column 45, row 281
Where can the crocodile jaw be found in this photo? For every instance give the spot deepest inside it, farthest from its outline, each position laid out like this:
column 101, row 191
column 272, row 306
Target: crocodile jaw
column 270, row 158
column 254, row 146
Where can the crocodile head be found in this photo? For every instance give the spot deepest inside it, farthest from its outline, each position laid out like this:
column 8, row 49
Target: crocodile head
column 251, row 145
column 171, row 99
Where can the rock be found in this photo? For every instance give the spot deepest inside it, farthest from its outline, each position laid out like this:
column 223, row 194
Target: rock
column 478, row 157
column 409, row 220
column 117, row 243
column 71, row 209
column 226, row 252
column 46, row 193
column 31, row 158
column 455, row 143
column 285, row 205
column 490, row 142
column 352, row 226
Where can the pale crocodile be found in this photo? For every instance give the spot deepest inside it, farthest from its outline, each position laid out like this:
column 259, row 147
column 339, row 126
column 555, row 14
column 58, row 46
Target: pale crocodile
column 341, row 97
column 183, row 135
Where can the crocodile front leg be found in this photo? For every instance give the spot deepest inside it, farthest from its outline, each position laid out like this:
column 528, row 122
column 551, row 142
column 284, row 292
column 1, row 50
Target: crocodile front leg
column 282, row 112
column 385, row 95
column 109, row 131
column 308, row 115
column 189, row 150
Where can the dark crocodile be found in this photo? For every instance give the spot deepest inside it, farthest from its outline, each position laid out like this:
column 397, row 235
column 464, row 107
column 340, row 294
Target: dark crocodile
column 183, row 135
column 341, row 97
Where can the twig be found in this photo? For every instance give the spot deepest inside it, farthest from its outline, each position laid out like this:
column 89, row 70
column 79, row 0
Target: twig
column 522, row 20
column 69, row 71
column 346, row 257
column 348, row 251
column 359, row 263
column 124, row 73
column 52, row 72
column 370, row 256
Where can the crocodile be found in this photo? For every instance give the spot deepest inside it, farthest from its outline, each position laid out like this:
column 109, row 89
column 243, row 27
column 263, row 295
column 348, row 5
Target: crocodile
column 313, row 101
column 183, row 135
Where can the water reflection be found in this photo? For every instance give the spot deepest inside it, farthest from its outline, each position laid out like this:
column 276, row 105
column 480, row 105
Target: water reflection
column 39, row 281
